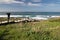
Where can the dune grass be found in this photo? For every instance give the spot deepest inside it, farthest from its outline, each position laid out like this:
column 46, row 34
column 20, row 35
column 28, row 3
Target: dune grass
column 43, row 30
column 11, row 18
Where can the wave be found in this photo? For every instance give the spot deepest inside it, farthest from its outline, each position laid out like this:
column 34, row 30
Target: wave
column 54, row 16
column 38, row 17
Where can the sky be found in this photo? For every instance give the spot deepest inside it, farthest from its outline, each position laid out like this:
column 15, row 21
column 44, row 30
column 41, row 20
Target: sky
column 29, row 5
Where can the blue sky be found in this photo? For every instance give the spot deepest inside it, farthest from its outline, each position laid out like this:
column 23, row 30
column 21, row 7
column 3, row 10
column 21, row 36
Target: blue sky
column 30, row 5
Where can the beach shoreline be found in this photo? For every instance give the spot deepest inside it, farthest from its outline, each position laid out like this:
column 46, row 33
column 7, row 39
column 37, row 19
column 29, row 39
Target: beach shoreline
column 37, row 17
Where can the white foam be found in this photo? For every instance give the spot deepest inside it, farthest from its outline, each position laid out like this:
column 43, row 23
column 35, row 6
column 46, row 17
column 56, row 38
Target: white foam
column 37, row 17
column 3, row 15
column 16, row 16
column 54, row 16
column 11, row 16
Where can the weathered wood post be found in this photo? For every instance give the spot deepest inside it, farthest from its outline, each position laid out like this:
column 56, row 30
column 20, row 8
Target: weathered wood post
column 8, row 14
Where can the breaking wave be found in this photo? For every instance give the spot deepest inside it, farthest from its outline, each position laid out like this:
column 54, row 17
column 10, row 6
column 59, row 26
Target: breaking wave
column 38, row 17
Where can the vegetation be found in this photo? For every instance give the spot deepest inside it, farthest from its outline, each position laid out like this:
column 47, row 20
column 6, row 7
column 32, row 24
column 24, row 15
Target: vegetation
column 43, row 30
column 6, row 19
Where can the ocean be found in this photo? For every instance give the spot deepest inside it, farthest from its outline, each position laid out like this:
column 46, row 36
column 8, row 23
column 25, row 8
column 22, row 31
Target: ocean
column 33, row 15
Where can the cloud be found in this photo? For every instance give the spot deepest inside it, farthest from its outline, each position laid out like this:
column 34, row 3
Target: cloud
column 10, row 1
column 36, row 0
column 18, row 2
column 6, row 1
column 33, row 4
column 22, row 2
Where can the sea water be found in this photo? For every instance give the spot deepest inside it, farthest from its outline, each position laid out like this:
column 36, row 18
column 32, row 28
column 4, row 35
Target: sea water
column 33, row 15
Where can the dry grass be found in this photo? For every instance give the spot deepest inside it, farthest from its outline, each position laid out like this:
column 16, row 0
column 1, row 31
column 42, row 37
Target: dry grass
column 43, row 30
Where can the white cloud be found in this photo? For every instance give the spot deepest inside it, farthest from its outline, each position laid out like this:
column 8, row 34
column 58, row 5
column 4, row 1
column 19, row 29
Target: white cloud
column 10, row 1
column 17, row 2
column 6, row 1
column 20, row 2
column 31, row 4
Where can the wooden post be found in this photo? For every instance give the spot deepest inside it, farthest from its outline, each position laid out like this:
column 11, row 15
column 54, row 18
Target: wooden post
column 8, row 14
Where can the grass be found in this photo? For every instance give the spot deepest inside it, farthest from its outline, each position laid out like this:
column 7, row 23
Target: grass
column 12, row 18
column 43, row 30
